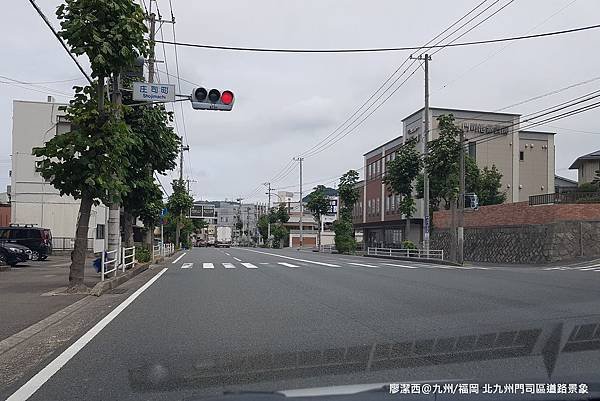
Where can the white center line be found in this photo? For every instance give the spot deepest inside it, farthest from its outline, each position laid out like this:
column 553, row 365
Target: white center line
column 239, row 260
column 180, row 256
column 228, row 265
column 208, row 266
column 287, row 257
column 264, row 263
column 361, row 264
column 187, row 265
column 37, row 381
column 286, row 264
column 249, row 266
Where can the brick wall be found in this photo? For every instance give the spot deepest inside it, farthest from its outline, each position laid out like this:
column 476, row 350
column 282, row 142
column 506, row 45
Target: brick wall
column 520, row 213
column 4, row 216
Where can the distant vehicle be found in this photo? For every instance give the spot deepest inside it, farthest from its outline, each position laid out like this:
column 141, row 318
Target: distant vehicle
column 38, row 239
column 223, row 237
column 11, row 253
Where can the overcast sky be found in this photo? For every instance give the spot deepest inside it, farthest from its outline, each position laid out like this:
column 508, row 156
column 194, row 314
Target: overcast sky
column 286, row 103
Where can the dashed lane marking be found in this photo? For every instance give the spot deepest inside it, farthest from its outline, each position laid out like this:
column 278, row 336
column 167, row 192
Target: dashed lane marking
column 286, row 264
column 361, row 264
column 187, row 265
column 180, row 256
column 229, row 265
column 249, row 266
column 208, row 266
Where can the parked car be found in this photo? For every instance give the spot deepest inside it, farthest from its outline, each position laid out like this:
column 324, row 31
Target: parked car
column 38, row 240
column 11, row 253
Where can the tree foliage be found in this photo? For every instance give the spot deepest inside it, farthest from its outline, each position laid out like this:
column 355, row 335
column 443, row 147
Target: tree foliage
column 109, row 32
column 348, row 194
column 91, row 159
column 488, row 187
column 401, row 174
column 180, row 202
column 318, row 204
column 344, row 236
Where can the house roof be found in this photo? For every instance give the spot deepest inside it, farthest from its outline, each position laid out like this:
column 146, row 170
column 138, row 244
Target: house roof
column 565, row 180
column 590, row 156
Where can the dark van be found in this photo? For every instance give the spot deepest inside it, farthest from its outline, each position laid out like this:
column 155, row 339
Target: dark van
column 39, row 240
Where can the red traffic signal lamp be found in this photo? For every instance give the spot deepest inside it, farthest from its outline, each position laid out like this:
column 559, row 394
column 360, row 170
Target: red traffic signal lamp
column 214, row 99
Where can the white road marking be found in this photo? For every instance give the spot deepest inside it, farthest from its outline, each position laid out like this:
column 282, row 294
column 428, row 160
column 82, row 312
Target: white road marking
column 180, row 256
column 554, row 268
column 187, row 265
column 228, row 265
column 361, row 264
column 227, row 254
column 264, row 263
column 37, row 381
column 249, row 266
column 286, row 264
column 587, row 267
column 208, row 266
column 288, row 257
column 239, row 260
column 397, row 265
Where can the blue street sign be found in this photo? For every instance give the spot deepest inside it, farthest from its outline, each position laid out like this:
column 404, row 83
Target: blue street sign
column 163, row 212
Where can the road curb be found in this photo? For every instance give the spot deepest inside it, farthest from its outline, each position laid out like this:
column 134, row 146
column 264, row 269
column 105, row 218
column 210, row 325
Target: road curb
column 114, row 282
column 424, row 260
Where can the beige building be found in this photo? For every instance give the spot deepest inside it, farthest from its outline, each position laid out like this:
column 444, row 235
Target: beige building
column 34, row 200
column 524, row 158
column 586, row 166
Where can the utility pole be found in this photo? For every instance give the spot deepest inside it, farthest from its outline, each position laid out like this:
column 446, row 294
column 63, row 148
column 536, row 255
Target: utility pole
column 114, row 211
column 301, row 159
column 426, row 223
column 240, row 217
column 460, row 257
column 268, row 184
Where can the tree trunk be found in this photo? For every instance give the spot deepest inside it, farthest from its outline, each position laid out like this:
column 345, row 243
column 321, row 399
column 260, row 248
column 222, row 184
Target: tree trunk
column 128, row 228
column 177, row 234
column 77, row 269
column 453, row 236
column 148, row 236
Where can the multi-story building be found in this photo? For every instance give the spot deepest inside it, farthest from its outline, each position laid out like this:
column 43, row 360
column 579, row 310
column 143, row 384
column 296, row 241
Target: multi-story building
column 228, row 214
column 524, row 158
column 34, row 200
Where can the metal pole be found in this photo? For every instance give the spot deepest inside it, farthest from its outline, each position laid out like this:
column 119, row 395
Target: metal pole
column 461, row 200
column 151, row 59
column 114, row 212
column 426, row 222
column 301, row 159
column 181, row 160
column 268, row 184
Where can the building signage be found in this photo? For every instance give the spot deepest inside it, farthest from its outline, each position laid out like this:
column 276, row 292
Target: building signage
column 146, row 92
column 483, row 128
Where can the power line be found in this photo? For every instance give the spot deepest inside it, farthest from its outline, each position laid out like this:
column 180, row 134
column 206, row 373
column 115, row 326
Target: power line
column 39, row 11
column 386, row 49
column 16, row 81
column 16, row 85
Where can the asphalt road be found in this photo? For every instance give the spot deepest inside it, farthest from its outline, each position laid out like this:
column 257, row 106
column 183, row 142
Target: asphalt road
column 257, row 319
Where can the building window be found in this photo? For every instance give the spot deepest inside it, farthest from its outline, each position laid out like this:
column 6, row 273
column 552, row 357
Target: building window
column 387, row 204
column 369, row 207
column 378, row 205
column 473, row 150
column 99, row 231
column 521, row 156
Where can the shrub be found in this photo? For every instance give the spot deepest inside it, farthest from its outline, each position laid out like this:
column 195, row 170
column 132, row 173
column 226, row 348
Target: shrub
column 142, row 254
column 407, row 244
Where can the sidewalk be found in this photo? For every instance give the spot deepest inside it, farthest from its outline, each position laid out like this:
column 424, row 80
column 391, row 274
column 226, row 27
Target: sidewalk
column 23, row 302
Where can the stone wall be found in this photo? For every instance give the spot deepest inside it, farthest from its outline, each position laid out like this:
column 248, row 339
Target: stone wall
column 537, row 243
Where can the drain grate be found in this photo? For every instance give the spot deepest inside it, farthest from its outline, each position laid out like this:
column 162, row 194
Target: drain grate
column 117, row 291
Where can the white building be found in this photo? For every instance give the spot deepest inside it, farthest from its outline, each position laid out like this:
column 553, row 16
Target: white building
column 34, row 200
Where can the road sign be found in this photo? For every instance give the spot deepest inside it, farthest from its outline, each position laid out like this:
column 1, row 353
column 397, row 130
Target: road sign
column 147, row 92
column 163, row 212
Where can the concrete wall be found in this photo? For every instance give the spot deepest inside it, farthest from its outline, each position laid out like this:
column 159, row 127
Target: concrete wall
column 540, row 243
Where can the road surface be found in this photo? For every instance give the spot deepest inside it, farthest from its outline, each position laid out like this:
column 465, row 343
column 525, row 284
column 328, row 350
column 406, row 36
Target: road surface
column 261, row 319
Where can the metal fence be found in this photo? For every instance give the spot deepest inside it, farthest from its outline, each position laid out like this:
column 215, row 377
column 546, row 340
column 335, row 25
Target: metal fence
column 407, row 253
column 128, row 258
column 109, row 259
column 327, row 248
column 68, row 244
column 564, row 197
column 156, row 252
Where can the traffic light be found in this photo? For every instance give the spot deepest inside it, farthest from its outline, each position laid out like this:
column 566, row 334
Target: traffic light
column 214, row 99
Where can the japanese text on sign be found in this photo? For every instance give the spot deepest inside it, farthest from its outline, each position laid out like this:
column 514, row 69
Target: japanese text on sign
column 487, row 388
column 153, row 92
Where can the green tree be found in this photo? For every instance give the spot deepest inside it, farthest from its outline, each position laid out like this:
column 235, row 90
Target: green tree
column 596, row 180
column 488, row 188
column 179, row 204
column 199, row 225
column 342, row 227
column 156, row 150
column 400, row 175
column 282, row 214
column 263, row 228
column 89, row 162
column 318, row 204
column 279, row 232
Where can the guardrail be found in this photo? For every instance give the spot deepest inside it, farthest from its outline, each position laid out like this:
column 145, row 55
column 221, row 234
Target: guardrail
column 327, row 248
column 407, row 253
column 128, row 258
column 104, row 263
column 68, row 244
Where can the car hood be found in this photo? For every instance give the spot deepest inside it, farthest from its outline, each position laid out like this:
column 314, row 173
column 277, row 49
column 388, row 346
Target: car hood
column 14, row 245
